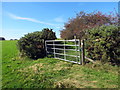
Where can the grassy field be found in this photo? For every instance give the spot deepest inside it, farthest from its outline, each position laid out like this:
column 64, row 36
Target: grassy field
column 52, row 73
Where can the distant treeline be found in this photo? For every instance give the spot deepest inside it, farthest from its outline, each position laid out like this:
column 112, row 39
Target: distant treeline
column 2, row 38
column 13, row 39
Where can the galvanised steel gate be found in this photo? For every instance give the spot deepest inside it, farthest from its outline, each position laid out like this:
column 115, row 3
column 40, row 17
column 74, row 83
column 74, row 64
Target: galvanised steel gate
column 67, row 50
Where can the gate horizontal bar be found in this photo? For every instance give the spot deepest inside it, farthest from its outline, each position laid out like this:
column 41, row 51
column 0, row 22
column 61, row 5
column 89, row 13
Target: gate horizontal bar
column 61, row 40
column 64, row 54
column 69, row 61
column 62, row 45
column 65, row 49
column 67, row 55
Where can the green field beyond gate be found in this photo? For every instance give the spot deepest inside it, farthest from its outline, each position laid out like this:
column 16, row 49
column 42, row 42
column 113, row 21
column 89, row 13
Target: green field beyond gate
column 52, row 73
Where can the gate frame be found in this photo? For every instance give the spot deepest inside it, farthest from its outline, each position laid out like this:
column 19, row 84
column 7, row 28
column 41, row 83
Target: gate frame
column 80, row 47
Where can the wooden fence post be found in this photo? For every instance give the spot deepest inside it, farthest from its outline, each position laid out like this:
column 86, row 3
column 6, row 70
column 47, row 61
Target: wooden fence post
column 83, row 52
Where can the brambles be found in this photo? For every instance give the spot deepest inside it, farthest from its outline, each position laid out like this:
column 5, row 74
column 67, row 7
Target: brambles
column 32, row 44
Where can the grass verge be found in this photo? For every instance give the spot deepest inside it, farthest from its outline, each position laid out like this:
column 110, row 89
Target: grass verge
column 52, row 73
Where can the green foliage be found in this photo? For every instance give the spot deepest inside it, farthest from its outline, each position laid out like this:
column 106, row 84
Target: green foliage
column 103, row 43
column 32, row 44
column 48, row 34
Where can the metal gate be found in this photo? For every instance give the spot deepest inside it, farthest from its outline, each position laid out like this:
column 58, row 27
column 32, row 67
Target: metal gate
column 67, row 50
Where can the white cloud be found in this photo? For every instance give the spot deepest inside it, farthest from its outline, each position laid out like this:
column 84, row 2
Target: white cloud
column 29, row 19
column 59, row 19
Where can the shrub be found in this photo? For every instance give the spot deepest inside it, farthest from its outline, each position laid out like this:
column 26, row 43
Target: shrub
column 32, row 44
column 103, row 43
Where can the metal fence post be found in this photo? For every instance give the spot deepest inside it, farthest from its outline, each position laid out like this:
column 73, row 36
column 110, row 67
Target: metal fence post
column 64, row 51
column 46, row 47
column 76, row 48
column 54, row 49
column 83, row 52
column 79, row 52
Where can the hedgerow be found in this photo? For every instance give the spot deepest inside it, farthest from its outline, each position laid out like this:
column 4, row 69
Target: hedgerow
column 32, row 44
column 103, row 43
